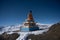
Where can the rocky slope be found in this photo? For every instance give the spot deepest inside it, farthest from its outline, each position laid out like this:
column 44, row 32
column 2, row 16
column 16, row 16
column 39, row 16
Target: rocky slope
column 6, row 36
column 52, row 34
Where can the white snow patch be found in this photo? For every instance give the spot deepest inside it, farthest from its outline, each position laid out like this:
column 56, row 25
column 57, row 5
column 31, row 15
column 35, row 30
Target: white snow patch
column 23, row 35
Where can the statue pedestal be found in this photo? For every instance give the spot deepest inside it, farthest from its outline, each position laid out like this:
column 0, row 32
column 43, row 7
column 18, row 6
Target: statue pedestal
column 29, row 29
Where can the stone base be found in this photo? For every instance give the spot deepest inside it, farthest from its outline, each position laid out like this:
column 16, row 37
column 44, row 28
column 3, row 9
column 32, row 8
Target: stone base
column 29, row 29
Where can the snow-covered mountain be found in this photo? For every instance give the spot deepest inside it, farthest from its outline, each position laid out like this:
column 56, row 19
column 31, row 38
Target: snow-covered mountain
column 43, row 26
column 9, row 28
column 13, row 28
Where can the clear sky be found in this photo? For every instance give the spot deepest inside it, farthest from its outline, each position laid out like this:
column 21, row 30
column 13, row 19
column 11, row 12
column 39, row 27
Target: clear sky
column 15, row 11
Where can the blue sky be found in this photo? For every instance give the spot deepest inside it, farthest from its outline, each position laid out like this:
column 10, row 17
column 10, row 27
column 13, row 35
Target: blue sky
column 15, row 11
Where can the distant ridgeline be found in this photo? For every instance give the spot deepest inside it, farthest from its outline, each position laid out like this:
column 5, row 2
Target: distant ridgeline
column 29, row 24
